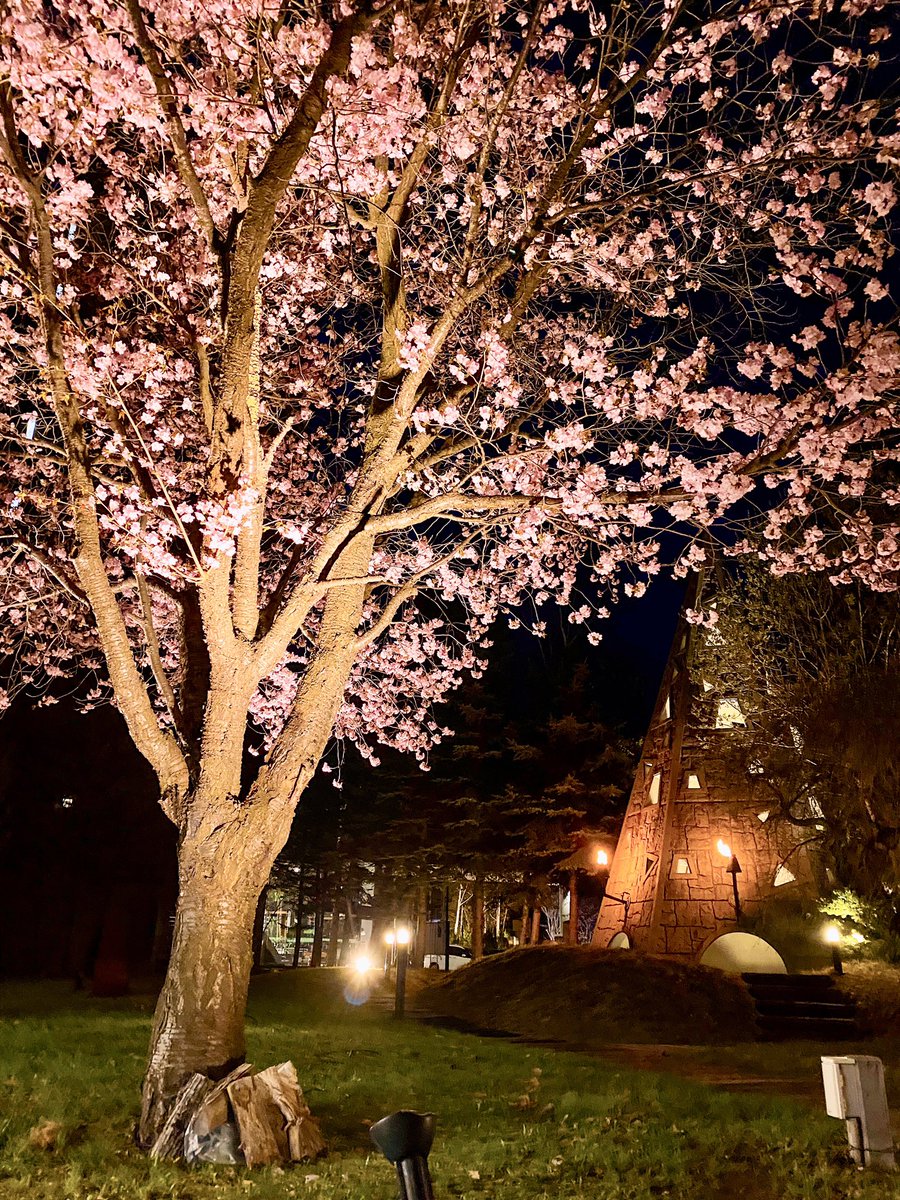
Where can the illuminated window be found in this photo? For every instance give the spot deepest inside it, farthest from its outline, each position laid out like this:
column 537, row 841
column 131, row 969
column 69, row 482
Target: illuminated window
column 653, row 794
column 667, row 709
column 783, row 876
column 763, row 816
column 729, row 714
column 682, row 866
column 694, row 784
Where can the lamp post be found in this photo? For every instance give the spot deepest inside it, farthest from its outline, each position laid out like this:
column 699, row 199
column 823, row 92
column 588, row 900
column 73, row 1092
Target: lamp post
column 733, row 869
column 402, row 960
column 833, row 938
column 624, row 899
column 603, row 861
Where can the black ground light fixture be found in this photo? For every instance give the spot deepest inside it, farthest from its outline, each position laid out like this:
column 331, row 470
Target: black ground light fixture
column 404, row 1138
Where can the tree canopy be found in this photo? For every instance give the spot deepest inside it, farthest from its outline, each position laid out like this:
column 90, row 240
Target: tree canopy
column 335, row 331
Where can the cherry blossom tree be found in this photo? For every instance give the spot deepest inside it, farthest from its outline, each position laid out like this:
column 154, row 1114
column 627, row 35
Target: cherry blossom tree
column 334, row 331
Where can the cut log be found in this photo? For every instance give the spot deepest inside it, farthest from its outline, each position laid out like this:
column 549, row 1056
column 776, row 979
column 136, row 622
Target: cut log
column 273, row 1119
column 170, row 1142
column 303, row 1132
column 213, row 1110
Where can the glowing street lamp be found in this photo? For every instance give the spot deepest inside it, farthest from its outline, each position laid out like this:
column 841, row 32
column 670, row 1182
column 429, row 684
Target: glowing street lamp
column 832, row 936
column 733, row 869
column 602, row 858
column 389, row 940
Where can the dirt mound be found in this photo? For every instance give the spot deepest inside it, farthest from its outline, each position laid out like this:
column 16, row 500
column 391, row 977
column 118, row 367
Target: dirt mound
column 875, row 987
column 596, row 997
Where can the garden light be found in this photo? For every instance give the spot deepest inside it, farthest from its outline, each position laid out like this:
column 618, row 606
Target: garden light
column 402, row 936
column 723, row 848
column 362, row 963
column 404, row 1138
column 602, row 858
column 389, row 937
column 832, row 936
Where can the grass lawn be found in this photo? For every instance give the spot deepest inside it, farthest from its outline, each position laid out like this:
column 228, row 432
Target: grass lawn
column 594, row 1130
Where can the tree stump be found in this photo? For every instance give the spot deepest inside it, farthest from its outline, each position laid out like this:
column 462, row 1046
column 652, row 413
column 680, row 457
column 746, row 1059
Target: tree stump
column 274, row 1121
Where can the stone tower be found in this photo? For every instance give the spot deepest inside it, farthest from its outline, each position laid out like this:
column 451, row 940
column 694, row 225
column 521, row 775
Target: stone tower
column 700, row 855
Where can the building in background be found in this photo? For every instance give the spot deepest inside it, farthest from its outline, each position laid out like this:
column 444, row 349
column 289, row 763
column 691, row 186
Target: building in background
column 704, row 870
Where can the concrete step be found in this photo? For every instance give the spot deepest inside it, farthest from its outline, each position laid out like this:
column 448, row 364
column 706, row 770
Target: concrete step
column 804, row 983
column 822, row 1029
column 782, row 1007
column 801, row 1006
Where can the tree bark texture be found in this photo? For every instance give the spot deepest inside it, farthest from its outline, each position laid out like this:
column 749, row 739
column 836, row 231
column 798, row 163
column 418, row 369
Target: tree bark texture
column 199, row 1021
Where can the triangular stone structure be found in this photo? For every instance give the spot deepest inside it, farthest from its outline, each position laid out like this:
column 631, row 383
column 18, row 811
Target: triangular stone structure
column 671, row 884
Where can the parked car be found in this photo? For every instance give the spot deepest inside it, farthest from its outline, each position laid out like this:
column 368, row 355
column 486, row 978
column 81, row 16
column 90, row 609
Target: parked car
column 459, row 956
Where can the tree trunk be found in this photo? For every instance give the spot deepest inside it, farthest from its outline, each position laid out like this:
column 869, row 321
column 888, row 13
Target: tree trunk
column 315, row 958
column 526, row 923
column 199, row 1021
column 459, row 908
column 573, row 908
column 478, row 918
column 298, row 916
column 259, row 928
column 334, row 936
column 420, row 927
column 536, row 925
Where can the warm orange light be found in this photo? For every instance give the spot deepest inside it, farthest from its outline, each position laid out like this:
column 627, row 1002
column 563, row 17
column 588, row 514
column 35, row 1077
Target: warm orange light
column 602, row 858
column 403, row 936
column 389, row 937
column 723, row 848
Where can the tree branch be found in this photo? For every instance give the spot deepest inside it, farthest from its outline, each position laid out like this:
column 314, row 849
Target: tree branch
column 169, row 104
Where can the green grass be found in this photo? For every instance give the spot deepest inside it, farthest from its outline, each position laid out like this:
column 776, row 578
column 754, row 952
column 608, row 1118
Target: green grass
column 595, row 1130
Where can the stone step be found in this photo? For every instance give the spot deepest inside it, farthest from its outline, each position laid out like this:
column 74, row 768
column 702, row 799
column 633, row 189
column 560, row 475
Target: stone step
column 801, row 1006
column 806, row 983
column 781, row 1007
column 823, row 1029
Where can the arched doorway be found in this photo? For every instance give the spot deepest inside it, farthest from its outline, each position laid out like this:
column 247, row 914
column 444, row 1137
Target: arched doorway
column 619, row 941
column 739, row 952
